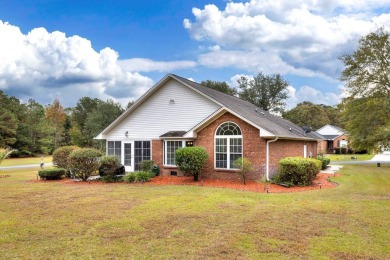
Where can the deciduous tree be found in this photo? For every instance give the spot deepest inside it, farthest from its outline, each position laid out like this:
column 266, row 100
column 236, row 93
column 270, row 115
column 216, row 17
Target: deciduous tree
column 367, row 80
column 268, row 92
column 220, row 86
column 308, row 114
column 56, row 116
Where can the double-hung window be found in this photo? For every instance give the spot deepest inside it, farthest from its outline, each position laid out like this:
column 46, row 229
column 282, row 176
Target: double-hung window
column 228, row 145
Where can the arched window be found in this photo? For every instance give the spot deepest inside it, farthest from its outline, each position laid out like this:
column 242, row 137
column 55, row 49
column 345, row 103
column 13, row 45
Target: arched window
column 228, row 145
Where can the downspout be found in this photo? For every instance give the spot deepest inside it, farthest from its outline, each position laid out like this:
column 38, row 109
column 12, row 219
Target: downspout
column 267, row 154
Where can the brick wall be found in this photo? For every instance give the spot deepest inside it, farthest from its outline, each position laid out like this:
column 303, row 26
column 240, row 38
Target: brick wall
column 254, row 148
column 157, row 152
column 157, row 157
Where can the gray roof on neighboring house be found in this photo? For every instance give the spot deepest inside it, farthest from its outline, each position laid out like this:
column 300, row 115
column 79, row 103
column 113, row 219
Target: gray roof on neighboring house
column 319, row 136
column 174, row 134
column 330, row 137
column 273, row 124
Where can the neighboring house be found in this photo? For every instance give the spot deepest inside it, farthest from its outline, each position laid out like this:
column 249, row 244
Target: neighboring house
column 334, row 137
column 177, row 112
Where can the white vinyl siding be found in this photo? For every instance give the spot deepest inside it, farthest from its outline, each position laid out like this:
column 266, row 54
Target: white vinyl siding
column 157, row 115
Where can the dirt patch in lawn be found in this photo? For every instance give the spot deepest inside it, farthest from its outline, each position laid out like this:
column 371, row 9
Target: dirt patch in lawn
column 322, row 181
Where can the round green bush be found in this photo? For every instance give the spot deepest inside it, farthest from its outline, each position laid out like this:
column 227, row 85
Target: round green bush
column 191, row 160
column 61, row 156
column 84, row 162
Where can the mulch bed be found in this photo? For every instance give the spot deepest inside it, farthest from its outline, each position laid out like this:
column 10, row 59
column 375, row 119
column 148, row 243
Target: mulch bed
column 321, row 182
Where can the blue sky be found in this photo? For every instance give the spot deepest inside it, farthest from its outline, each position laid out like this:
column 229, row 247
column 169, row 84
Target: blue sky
column 119, row 49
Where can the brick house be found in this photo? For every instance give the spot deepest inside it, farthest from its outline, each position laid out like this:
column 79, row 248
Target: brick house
column 333, row 137
column 177, row 112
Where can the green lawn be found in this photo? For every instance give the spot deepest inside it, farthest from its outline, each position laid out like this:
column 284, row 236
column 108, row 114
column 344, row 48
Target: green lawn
column 347, row 157
column 24, row 161
column 61, row 221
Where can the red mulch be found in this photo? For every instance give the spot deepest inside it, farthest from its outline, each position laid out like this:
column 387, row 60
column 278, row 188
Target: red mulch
column 237, row 185
column 250, row 185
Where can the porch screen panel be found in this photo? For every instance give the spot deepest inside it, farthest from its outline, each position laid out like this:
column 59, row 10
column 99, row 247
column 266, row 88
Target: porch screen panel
column 141, row 153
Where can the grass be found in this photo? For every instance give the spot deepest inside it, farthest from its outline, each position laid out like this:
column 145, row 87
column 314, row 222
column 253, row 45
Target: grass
column 347, row 157
column 24, row 161
column 56, row 220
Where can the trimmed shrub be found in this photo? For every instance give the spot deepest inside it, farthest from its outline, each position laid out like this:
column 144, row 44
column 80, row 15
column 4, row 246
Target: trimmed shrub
column 297, row 171
column 146, row 165
column 51, row 174
column 61, row 157
column 191, row 160
column 84, row 162
column 130, row 177
column 109, row 166
column 245, row 167
column 142, row 176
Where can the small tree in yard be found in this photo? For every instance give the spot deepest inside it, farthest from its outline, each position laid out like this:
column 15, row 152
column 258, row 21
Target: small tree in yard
column 191, row 160
column 84, row 162
column 245, row 165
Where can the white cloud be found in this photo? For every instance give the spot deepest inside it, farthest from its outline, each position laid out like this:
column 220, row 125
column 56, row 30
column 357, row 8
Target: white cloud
column 47, row 65
column 147, row 65
column 305, row 36
column 307, row 93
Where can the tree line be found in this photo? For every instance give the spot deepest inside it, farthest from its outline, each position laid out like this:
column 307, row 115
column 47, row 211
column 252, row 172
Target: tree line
column 32, row 128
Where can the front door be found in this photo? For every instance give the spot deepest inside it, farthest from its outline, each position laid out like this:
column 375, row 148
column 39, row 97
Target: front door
column 128, row 156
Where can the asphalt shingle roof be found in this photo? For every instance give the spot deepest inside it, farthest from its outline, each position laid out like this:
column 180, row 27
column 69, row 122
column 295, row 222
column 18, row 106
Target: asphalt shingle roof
column 273, row 124
column 174, row 134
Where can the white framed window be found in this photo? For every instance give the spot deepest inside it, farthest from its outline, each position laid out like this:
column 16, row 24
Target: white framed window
column 170, row 147
column 228, row 145
column 114, row 148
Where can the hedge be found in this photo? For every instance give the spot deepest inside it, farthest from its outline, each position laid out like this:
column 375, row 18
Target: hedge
column 51, row 174
column 299, row 171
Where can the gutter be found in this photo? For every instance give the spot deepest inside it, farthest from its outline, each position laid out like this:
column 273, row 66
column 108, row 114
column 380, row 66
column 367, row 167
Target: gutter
column 267, row 155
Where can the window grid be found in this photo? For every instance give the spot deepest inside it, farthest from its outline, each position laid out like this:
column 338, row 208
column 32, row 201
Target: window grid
column 171, row 147
column 228, row 145
column 114, row 148
column 141, row 153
